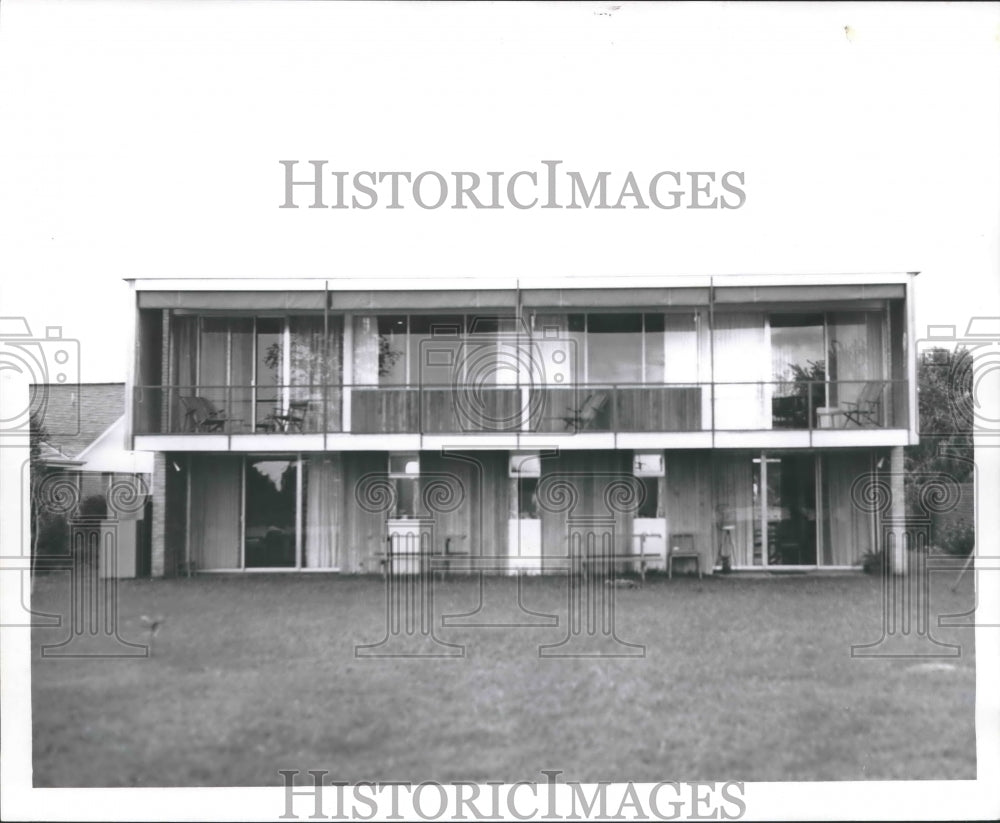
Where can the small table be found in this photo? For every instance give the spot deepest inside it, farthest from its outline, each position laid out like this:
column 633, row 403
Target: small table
column 280, row 421
column 826, row 417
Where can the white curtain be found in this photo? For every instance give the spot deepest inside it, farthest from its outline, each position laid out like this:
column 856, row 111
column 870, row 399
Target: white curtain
column 855, row 353
column 734, row 496
column 216, row 502
column 366, row 351
column 681, row 349
column 741, row 356
column 315, row 369
column 322, row 501
column 847, row 528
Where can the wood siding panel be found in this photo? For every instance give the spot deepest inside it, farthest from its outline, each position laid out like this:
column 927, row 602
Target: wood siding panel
column 688, row 501
column 384, row 410
column 588, row 474
column 479, row 409
column 364, row 530
column 657, row 409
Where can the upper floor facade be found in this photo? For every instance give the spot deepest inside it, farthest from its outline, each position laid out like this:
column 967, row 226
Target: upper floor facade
column 617, row 362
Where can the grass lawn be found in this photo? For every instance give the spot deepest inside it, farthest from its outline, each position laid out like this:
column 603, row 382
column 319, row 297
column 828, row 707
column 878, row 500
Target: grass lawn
column 742, row 679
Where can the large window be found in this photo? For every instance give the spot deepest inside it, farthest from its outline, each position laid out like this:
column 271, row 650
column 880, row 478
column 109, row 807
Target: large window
column 648, row 470
column 525, row 470
column 431, row 350
column 621, row 347
column 270, row 373
column 798, row 367
column 270, row 508
column 404, row 474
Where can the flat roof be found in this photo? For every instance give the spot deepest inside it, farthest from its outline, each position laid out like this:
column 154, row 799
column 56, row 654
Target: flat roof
column 618, row 281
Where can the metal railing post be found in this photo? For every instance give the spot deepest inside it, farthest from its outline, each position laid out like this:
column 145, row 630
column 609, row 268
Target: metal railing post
column 809, row 406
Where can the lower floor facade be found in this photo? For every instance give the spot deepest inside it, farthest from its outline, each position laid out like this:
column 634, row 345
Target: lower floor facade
column 517, row 512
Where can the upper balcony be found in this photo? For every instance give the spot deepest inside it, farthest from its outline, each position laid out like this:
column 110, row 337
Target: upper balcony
column 688, row 367
column 808, row 412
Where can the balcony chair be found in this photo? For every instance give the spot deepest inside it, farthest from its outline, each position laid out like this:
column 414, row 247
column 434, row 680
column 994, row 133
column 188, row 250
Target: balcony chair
column 587, row 415
column 682, row 545
column 867, row 409
column 284, row 422
column 200, row 415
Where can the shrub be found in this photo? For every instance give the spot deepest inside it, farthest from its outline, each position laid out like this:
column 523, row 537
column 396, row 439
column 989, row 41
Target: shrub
column 956, row 537
column 53, row 535
column 96, row 505
column 871, row 562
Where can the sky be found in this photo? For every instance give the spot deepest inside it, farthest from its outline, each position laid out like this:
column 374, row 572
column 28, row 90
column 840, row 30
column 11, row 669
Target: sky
column 143, row 140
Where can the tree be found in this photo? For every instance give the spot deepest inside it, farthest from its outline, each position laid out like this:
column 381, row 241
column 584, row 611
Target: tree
column 944, row 402
column 40, row 519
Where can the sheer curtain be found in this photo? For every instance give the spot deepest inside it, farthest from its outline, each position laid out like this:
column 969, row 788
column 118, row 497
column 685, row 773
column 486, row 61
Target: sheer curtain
column 741, row 356
column 366, row 350
column 184, row 337
column 315, row 363
column 855, row 353
column 847, row 530
column 323, row 499
column 216, row 502
column 734, row 492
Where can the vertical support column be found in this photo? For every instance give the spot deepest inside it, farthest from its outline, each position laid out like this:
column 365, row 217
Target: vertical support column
column 158, row 567
column 167, row 401
column 905, row 612
column 347, row 370
column 897, row 548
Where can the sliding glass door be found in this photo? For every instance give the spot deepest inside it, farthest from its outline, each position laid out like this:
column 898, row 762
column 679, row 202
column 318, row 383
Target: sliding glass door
column 791, row 510
column 270, row 513
column 798, row 367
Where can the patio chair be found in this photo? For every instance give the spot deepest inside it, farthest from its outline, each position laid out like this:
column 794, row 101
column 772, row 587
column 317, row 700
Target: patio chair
column 586, row 417
column 286, row 421
column 683, row 546
column 867, row 409
column 201, row 415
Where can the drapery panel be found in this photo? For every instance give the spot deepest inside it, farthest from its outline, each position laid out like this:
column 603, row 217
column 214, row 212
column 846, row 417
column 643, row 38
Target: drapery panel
column 216, row 503
column 847, row 528
column 856, row 353
column 734, row 502
column 315, row 370
column 741, row 358
column 322, row 517
column 366, row 351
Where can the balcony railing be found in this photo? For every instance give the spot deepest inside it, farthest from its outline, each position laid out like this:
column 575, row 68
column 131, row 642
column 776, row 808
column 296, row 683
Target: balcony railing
column 564, row 409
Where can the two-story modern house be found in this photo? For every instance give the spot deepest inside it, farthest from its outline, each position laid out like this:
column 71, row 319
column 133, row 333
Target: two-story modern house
column 308, row 424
